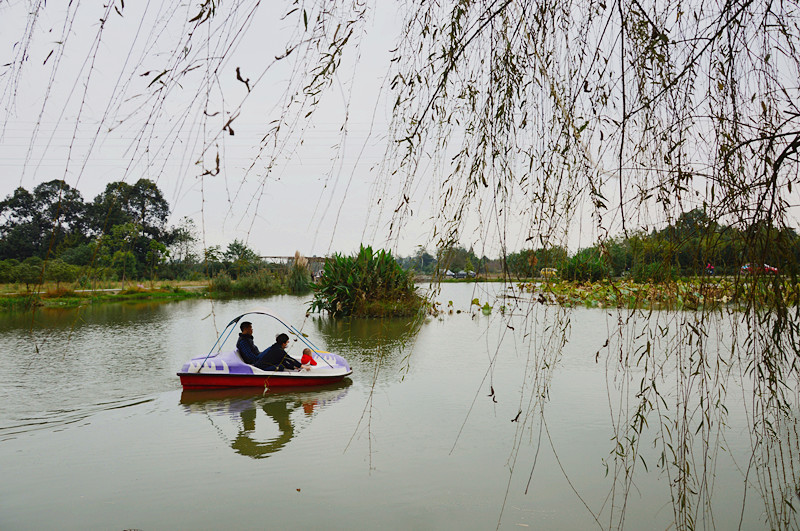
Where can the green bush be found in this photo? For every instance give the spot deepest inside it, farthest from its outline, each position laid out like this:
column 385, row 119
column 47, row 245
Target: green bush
column 82, row 255
column 586, row 265
column 25, row 303
column 222, row 283
column 7, row 270
column 258, row 283
column 30, row 272
column 370, row 284
column 84, row 281
column 654, row 272
column 59, row 271
column 299, row 280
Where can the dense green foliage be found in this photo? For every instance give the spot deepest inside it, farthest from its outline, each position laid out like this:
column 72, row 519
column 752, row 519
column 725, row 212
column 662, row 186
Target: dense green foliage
column 452, row 258
column 694, row 294
column 587, row 264
column 122, row 232
column 262, row 282
column 528, row 262
column 61, row 298
column 299, row 280
column 370, row 284
column 54, row 218
column 51, row 234
column 684, row 248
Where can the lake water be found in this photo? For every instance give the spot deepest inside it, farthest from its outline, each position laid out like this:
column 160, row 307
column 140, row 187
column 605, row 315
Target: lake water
column 461, row 422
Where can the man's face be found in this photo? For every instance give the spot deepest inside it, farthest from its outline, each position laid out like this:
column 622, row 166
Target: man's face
column 248, row 330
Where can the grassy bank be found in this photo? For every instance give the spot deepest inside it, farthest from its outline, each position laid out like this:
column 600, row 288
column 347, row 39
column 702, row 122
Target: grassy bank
column 262, row 283
column 684, row 294
column 52, row 296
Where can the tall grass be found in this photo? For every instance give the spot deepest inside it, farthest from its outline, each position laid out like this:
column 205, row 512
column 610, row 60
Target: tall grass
column 258, row 283
column 20, row 303
column 299, row 280
column 370, row 284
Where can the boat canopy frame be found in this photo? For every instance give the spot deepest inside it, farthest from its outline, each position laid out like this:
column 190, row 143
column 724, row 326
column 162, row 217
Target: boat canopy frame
column 231, row 326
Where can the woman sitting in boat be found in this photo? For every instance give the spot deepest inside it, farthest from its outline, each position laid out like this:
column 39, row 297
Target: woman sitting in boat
column 274, row 358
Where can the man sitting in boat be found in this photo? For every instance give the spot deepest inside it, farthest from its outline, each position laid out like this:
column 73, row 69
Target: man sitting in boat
column 274, row 358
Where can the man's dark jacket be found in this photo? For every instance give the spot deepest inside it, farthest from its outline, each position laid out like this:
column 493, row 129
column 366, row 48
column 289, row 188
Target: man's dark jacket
column 247, row 349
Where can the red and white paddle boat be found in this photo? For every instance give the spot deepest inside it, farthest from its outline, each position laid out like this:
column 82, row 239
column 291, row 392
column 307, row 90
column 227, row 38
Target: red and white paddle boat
column 220, row 370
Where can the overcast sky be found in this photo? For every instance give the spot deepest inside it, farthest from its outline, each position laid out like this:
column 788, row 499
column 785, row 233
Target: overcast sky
column 319, row 195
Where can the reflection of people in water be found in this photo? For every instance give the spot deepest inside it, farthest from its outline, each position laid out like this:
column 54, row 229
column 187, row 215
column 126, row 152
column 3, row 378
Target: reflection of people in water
column 241, row 406
column 280, row 412
column 308, row 406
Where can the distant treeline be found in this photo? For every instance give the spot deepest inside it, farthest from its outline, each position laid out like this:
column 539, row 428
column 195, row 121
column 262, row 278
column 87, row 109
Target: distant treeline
column 693, row 245
column 52, row 234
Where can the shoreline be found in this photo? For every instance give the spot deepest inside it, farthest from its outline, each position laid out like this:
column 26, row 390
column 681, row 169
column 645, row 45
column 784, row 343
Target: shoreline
column 683, row 294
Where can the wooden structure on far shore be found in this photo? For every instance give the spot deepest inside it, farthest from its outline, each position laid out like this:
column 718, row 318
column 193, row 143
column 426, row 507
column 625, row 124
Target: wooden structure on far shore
column 315, row 263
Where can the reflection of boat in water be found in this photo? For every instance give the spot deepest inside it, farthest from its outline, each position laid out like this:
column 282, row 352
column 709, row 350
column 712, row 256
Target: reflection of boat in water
column 219, row 370
column 240, row 409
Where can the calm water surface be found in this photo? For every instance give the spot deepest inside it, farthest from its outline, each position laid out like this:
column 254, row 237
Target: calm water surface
column 96, row 433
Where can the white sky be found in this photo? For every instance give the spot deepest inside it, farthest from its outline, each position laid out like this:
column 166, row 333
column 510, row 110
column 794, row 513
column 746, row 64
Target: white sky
column 325, row 192
column 317, row 199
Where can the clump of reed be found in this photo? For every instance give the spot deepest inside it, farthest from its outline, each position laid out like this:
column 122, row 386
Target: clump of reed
column 20, row 302
column 369, row 284
column 59, row 292
column 299, row 280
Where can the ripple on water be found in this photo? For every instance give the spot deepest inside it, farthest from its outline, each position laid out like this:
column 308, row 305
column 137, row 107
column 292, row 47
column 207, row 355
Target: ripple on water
column 64, row 417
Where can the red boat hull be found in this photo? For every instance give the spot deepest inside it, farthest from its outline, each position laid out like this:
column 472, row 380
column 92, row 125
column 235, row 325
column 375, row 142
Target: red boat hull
column 227, row 381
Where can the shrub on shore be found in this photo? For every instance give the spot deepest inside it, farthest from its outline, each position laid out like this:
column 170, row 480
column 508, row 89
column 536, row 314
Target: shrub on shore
column 370, row 284
column 299, row 280
column 258, row 283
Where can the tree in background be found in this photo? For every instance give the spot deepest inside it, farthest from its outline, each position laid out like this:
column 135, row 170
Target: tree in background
column 30, row 272
column 527, row 263
column 7, row 270
column 116, row 251
column 454, row 257
column 423, row 261
column 156, row 256
column 522, row 264
column 21, row 232
column 183, row 259
column 183, row 246
column 212, row 261
column 142, row 204
column 587, row 265
column 41, row 223
column 59, row 271
column 468, row 265
column 239, row 259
